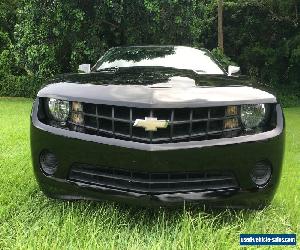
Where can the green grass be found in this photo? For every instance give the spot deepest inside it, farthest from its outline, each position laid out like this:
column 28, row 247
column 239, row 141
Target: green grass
column 30, row 220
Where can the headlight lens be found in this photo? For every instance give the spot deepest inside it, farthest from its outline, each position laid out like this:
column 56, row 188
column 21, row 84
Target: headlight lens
column 59, row 109
column 252, row 115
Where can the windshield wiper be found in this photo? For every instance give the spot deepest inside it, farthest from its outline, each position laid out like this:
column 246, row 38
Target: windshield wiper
column 199, row 71
column 110, row 69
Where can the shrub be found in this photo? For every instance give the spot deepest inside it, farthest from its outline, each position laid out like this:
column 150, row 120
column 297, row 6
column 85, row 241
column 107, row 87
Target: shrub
column 15, row 86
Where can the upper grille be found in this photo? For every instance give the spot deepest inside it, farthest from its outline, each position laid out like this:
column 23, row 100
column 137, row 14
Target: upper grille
column 185, row 124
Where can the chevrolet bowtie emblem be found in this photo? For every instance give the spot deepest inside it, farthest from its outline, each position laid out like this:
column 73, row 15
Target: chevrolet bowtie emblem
column 151, row 123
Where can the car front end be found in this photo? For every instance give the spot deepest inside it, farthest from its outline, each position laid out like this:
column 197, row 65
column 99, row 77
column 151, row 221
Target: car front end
column 162, row 143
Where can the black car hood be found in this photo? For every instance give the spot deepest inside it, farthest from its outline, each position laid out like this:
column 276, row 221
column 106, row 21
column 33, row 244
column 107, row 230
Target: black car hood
column 153, row 76
column 154, row 88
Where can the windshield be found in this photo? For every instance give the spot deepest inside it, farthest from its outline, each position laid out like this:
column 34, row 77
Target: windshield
column 178, row 57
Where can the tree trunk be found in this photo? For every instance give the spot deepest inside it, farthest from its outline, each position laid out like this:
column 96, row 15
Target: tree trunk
column 296, row 11
column 220, row 26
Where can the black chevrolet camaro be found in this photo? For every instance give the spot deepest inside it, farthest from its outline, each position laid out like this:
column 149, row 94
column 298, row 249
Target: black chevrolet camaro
column 157, row 125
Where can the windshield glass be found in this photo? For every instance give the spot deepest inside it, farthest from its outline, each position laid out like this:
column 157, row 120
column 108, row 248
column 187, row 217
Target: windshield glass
column 178, row 57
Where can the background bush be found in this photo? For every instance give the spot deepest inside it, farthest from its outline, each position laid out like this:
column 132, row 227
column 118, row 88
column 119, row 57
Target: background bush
column 41, row 38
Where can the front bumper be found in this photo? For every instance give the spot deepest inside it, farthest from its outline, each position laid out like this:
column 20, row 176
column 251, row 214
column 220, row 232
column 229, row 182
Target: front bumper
column 238, row 155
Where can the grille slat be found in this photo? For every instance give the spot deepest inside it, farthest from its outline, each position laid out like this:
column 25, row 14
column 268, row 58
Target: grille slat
column 152, row 180
column 191, row 122
column 185, row 124
column 151, row 183
column 97, row 113
column 208, row 123
column 113, row 120
column 172, row 124
column 131, row 122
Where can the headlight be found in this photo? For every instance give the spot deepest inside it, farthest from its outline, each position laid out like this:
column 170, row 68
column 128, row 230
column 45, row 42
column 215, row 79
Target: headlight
column 59, row 109
column 252, row 115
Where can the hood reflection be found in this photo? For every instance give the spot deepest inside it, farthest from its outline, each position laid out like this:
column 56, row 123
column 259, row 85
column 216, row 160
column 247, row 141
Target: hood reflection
column 153, row 77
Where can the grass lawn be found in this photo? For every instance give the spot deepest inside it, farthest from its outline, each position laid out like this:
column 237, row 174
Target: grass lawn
column 30, row 220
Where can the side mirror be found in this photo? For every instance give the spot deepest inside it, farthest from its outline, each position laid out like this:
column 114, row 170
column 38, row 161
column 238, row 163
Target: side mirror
column 233, row 70
column 84, row 68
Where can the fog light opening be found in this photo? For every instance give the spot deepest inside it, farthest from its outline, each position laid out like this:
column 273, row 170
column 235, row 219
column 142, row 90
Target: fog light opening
column 48, row 162
column 261, row 174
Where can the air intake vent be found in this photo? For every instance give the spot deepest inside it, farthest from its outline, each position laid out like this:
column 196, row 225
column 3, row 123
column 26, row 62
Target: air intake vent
column 152, row 183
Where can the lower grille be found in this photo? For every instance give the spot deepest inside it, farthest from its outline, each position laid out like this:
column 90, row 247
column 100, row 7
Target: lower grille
column 152, row 183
